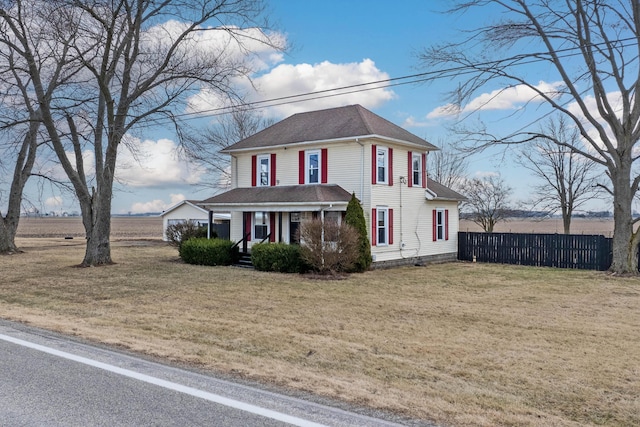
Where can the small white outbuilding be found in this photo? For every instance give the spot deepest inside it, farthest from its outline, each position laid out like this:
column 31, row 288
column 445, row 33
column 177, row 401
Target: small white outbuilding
column 188, row 210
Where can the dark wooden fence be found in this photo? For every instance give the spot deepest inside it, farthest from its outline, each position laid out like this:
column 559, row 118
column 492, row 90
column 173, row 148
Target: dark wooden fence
column 589, row 252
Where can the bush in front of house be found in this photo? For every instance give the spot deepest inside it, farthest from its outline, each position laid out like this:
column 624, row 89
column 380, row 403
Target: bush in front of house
column 328, row 247
column 183, row 231
column 202, row 251
column 278, row 257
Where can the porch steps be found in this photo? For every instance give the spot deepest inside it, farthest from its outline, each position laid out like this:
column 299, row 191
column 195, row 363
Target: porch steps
column 244, row 261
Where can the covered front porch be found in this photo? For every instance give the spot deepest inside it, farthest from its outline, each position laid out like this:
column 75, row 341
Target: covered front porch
column 274, row 214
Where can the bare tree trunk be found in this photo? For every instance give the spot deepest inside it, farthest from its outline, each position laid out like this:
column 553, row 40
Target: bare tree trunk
column 566, row 223
column 7, row 236
column 624, row 249
column 22, row 171
column 97, row 224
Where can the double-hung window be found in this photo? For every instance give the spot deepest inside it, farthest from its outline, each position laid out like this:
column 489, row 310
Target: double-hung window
column 312, row 166
column 416, row 169
column 260, row 225
column 382, row 165
column 264, row 171
column 440, row 224
column 382, row 226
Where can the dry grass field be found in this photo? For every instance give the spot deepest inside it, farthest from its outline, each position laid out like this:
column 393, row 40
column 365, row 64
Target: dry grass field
column 460, row 344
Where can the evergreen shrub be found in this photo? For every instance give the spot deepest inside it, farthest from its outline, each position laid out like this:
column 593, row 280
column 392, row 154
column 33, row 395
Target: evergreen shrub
column 202, row 251
column 278, row 257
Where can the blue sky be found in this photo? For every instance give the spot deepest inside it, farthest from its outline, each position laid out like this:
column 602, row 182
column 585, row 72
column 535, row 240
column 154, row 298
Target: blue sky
column 333, row 43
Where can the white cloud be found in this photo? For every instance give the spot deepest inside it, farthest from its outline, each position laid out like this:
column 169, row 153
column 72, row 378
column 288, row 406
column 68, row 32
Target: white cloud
column 411, row 122
column 53, row 202
column 500, row 99
column 154, row 163
column 147, row 207
column 156, row 205
column 287, row 80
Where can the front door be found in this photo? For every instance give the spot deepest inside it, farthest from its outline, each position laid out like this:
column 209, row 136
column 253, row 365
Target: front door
column 294, row 226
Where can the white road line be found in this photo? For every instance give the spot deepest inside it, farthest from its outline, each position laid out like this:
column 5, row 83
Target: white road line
column 267, row 413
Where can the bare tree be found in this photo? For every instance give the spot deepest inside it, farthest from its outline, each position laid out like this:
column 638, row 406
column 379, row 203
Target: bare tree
column 487, row 200
column 448, row 166
column 204, row 148
column 19, row 124
column 568, row 180
column 131, row 63
column 592, row 48
column 327, row 246
column 23, row 162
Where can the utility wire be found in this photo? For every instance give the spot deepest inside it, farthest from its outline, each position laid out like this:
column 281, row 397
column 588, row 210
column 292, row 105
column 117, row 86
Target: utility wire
column 429, row 76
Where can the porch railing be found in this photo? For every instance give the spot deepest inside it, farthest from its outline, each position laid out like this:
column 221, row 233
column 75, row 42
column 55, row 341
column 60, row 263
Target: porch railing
column 244, row 241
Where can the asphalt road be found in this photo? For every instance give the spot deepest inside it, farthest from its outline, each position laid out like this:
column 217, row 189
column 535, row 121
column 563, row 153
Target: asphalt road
column 49, row 380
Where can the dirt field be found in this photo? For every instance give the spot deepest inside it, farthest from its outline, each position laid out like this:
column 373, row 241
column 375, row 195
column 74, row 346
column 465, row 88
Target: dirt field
column 578, row 226
column 121, row 227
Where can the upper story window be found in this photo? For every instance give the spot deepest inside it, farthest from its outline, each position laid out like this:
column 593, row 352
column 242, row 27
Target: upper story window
column 416, row 169
column 382, row 165
column 264, row 171
column 313, row 167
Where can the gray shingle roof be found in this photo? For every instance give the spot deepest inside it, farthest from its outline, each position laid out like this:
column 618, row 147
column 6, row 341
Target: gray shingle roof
column 335, row 123
column 298, row 194
column 443, row 193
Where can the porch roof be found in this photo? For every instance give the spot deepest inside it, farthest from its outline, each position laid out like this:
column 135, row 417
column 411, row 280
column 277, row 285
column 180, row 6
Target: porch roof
column 280, row 197
column 440, row 192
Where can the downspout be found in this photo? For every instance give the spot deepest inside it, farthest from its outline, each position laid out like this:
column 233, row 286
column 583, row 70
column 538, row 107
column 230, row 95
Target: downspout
column 361, row 170
column 426, row 169
column 234, row 172
column 403, row 180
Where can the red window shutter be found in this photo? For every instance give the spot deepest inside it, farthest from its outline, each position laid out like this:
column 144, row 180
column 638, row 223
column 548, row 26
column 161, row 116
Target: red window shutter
column 424, row 170
column 273, row 169
column 435, row 225
column 390, row 227
column 272, row 226
column 374, row 168
column 247, row 225
column 374, row 227
column 446, row 224
column 325, row 165
column 301, row 167
column 390, row 166
column 410, row 173
column 254, row 171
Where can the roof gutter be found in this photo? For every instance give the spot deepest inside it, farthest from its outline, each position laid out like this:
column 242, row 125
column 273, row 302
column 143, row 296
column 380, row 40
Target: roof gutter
column 333, row 140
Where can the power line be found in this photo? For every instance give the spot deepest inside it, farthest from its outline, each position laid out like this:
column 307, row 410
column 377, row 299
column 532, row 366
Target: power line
column 428, row 76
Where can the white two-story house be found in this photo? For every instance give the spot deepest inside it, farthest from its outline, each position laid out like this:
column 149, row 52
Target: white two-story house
column 308, row 166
